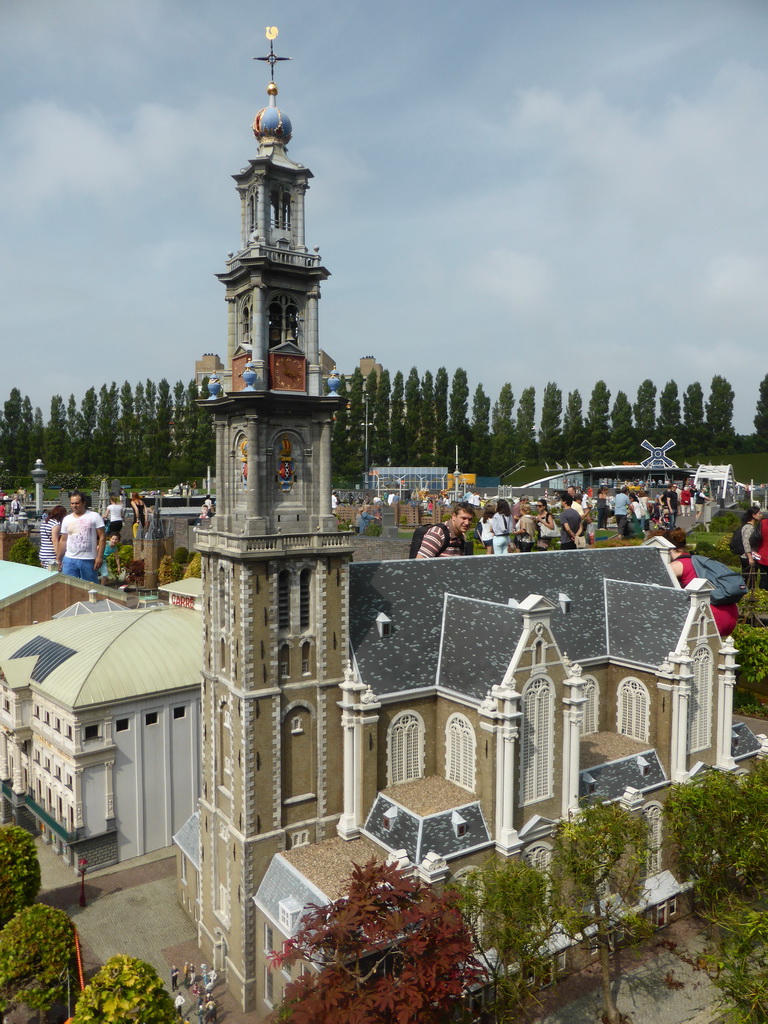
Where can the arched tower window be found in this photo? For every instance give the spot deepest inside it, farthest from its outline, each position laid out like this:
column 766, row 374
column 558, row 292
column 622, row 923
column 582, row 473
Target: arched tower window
column 653, row 820
column 283, row 320
column 280, row 205
column 589, row 716
column 460, row 752
column 245, row 324
column 406, row 747
column 284, row 600
column 536, row 747
column 285, row 661
column 252, row 221
column 304, row 598
column 539, row 857
column 700, row 701
column 633, row 710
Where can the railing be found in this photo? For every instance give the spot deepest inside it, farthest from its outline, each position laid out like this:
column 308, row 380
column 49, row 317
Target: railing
column 272, row 543
column 275, row 253
column 46, row 818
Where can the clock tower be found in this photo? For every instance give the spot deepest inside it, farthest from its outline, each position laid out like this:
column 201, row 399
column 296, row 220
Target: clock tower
column 273, row 571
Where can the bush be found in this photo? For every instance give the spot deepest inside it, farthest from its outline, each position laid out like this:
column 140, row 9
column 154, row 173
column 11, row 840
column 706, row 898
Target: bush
column 24, row 552
column 165, row 573
column 746, row 703
column 194, row 569
column 752, row 645
column 181, row 556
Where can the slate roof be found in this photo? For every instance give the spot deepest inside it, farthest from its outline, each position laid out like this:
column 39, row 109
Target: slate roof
column 282, row 881
column 188, row 839
column 611, row 779
column 644, row 623
column 744, row 743
column 411, row 593
column 433, row 833
column 465, row 620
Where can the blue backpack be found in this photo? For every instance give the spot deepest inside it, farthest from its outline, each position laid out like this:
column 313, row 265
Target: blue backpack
column 729, row 586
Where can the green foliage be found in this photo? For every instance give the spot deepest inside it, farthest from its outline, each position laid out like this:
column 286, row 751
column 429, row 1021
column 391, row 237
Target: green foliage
column 752, row 645
column 550, row 431
column 598, row 432
column 623, row 443
column 37, row 947
column 168, row 571
column 525, row 432
column 19, row 871
column 194, row 568
column 125, row 989
column 740, row 967
column 746, row 703
column 507, row 907
column 597, row 870
column 24, row 552
column 181, row 555
column 719, row 825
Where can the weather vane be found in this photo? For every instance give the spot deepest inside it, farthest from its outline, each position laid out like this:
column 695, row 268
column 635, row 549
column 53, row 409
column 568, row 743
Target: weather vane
column 272, row 57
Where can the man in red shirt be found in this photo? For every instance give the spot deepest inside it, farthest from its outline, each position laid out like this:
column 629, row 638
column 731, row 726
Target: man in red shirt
column 446, row 539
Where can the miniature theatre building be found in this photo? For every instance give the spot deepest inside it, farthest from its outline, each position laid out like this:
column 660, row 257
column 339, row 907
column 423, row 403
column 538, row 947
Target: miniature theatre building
column 100, row 731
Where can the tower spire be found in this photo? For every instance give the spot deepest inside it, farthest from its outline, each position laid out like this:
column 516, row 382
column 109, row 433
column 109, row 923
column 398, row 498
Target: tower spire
column 272, row 57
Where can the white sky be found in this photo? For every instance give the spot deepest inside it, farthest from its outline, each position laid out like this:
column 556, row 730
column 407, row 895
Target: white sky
column 535, row 190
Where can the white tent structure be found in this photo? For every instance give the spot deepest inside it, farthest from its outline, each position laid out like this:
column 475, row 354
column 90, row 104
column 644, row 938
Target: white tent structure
column 722, row 483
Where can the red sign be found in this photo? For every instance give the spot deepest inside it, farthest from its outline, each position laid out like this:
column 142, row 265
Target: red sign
column 182, row 601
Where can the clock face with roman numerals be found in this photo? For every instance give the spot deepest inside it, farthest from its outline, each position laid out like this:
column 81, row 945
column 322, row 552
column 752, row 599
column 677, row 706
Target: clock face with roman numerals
column 288, row 373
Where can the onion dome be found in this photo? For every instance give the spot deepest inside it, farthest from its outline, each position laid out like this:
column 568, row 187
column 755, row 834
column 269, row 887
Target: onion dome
column 271, row 122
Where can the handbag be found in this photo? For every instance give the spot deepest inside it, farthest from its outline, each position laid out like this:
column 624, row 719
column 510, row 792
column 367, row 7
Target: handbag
column 548, row 531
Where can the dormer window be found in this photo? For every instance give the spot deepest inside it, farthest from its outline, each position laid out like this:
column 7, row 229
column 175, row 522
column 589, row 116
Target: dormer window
column 643, row 765
column 590, row 783
column 459, row 825
column 384, row 625
column 389, row 817
column 290, row 912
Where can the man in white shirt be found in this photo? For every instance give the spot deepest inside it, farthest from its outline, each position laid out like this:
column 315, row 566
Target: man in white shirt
column 81, row 541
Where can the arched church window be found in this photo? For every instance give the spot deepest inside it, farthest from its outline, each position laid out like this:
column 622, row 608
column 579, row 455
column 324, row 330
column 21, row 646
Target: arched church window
column 280, row 203
column 284, row 600
column 283, row 320
column 536, row 747
column 700, row 701
column 406, row 747
column 539, row 857
column 304, row 598
column 460, row 752
column 589, row 717
column 633, row 710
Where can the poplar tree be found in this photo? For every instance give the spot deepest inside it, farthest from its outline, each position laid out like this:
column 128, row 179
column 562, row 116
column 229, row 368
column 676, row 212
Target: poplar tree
column 598, row 432
column 380, row 448
column 503, row 452
column 397, row 451
column 340, row 433
column 575, row 444
column 443, row 456
column 526, row 426
column 86, row 429
column 412, row 424
column 427, row 436
column 56, row 437
column 356, row 425
column 761, row 417
column 644, row 410
column 623, row 443
column 695, row 430
column 480, row 457
column 719, row 410
column 669, row 414
column 550, row 429
column 458, row 424
column 372, row 393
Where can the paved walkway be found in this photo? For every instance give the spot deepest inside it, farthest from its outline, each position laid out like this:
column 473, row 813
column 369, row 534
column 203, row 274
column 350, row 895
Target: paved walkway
column 131, row 908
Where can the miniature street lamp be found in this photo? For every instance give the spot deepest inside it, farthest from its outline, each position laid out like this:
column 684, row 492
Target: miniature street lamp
column 39, row 474
column 82, row 866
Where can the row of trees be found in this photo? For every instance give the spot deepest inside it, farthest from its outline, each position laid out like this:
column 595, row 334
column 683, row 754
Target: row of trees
column 394, row 948
column 419, row 421
column 116, row 431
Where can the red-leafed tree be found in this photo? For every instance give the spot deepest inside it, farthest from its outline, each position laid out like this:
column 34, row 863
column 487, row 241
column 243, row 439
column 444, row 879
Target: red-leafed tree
column 392, row 951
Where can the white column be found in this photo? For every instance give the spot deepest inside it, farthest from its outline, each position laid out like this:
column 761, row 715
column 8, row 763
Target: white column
column 78, row 797
column 726, row 680
column 349, row 826
column 572, row 717
column 506, row 834
column 110, row 788
column 242, row 192
column 231, row 331
column 262, row 212
column 679, row 751
column 312, row 344
column 299, row 214
column 259, row 337
column 18, row 769
column 3, row 757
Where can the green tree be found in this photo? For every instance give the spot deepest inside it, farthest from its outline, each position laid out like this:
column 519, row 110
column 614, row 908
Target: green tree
column 443, row 453
column 718, row 823
column 11, row 453
column 480, row 432
column 550, row 429
column 427, row 435
column 412, row 421
column 391, row 949
column 24, row 552
column 695, row 431
column 356, row 429
column 56, row 437
column 104, row 435
column 86, row 429
column 125, row 989
column 598, row 432
column 740, row 967
column 623, row 443
column 668, row 426
column 575, row 442
column 719, row 410
column 597, row 870
column 126, row 434
column 507, row 907
column 459, row 434
column 37, row 437
column 37, row 949
column 19, row 871
column 761, row 417
column 380, row 448
column 24, row 434
column 372, row 393
column 525, row 433
column 503, row 450
column 340, row 436
column 397, row 449
column 644, row 410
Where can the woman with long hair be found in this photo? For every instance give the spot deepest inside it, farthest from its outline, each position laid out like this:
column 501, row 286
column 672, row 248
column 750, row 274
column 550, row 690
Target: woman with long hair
column 486, row 529
column 726, row 615
column 139, row 512
column 501, row 525
column 50, row 525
